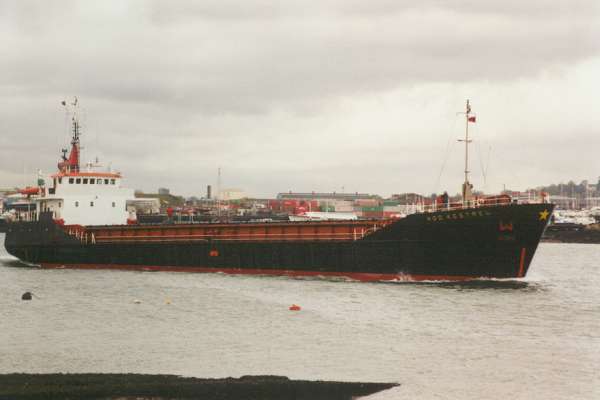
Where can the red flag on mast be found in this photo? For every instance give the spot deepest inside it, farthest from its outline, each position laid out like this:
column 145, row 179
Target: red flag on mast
column 471, row 119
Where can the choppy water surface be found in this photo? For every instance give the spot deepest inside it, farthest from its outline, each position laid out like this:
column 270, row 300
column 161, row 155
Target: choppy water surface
column 532, row 339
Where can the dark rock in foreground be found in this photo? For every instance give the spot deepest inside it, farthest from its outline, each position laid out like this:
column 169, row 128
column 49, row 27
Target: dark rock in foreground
column 158, row 387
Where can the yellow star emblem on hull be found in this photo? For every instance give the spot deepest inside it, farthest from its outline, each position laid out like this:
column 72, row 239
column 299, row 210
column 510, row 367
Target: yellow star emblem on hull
column 544, row 215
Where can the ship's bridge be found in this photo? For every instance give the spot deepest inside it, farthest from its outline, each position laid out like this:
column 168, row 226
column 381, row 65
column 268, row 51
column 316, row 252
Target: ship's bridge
column 75, row 182
column 85, row 198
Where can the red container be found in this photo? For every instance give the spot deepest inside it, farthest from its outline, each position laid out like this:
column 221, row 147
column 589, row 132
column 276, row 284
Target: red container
column 299, row 210
column 372, row 214
column 274, row 205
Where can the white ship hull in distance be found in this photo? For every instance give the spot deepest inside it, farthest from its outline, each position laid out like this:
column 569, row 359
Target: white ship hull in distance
column 324, row 216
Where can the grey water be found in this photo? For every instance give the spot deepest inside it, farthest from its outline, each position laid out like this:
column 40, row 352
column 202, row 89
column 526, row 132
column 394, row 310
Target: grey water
column 536, row 338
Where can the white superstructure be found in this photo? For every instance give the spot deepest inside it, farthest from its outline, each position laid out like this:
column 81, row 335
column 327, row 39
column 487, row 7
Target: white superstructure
column 80, row 197
column 86, row 198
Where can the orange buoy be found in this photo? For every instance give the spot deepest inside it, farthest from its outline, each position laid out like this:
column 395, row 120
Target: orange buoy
column 295, row 307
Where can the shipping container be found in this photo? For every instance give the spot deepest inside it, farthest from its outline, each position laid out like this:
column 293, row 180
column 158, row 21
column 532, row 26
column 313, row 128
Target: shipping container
column 341, row 203
column 367, row 202
column 274, row 205
column 372, row 209
column 310, row 205
column 300, row 210
column 372, row 214
column 393, row 208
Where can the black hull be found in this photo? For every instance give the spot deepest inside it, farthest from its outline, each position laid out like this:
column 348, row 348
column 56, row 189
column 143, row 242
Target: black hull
column 487, row 242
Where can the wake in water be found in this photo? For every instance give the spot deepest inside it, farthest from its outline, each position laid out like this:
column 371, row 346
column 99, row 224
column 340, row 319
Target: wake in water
column 478, row 284
column 10, row 261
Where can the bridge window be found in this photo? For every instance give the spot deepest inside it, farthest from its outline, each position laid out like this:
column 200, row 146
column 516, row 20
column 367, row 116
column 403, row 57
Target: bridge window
column 59, row 204
column 78, row 181
column 59, row 180
column 85, row 180
column 113, row 204
column 106, row 181
column 91, row 204
column 112, row 181
column 76, row 204
column 71, row 180
column 99, row 181
column 92, row 181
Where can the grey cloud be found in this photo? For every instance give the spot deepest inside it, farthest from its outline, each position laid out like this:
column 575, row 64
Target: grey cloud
column 221, row 58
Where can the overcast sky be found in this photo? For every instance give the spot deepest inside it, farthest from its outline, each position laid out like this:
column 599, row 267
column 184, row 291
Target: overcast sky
column 304, row 95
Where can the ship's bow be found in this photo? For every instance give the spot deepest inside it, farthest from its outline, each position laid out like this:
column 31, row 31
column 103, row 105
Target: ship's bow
column 528, row 224
column 482, row 242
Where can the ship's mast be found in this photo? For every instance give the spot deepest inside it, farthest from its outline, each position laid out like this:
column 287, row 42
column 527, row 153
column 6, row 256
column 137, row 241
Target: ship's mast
column 75, row 145
column 71, row 164
column 467, row 186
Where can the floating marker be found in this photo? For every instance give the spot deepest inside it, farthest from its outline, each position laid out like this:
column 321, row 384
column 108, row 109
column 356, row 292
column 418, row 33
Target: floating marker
column 27, row 296
column 295, row 307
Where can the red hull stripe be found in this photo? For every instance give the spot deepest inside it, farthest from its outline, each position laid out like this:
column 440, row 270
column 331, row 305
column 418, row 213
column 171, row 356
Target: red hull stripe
column 359, row 276
column 522, row 263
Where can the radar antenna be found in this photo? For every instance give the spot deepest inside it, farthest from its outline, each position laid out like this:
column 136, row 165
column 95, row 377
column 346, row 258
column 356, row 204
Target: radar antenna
column 71, row 164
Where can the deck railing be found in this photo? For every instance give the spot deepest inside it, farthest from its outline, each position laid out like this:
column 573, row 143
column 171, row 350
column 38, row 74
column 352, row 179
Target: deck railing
column 491, row 201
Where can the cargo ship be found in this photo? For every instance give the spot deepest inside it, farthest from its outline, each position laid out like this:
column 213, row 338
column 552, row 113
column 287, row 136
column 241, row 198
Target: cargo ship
column 80, row 220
